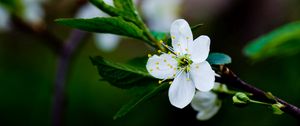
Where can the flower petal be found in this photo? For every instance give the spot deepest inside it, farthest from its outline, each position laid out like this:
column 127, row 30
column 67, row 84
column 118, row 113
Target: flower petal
column 206, row 103
column 203, row 76
column 182, row 37
column 200, row 49
column 203, row 100
column 182, row 91
column 209, row 113
column 162, row 67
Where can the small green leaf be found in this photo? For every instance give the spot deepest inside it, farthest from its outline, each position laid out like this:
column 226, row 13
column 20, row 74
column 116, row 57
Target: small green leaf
column 125, row 5
column 281, row 42
column 240, row 98
column 276, row 108
column 126, row 9
column 270, row 96
column 218, row 59
column 149, row 93
column 121, row 8
column 110, row 10
column 121, row 75
column 114, row 25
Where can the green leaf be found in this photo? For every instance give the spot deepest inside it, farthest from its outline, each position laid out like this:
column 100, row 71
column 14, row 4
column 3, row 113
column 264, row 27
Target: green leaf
column 218, row 59
column 114, row 25
column 150, row 92
column 122, row 8
column 121, row 75
column 139, row 62
column 110, row 10
column 281, row 42
column 125, row 5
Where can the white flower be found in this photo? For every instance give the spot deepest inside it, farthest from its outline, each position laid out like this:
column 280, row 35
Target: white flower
column 104, row 42
column 187, row 65
column 206, row 103
column 160, row 13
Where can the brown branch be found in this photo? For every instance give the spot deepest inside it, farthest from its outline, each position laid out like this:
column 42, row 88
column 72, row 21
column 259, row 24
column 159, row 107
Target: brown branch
column 65, row 52
column 59, row 101
column 231, row 79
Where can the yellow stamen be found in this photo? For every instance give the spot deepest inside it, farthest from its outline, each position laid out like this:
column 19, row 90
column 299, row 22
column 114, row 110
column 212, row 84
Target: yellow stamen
column 160, row 81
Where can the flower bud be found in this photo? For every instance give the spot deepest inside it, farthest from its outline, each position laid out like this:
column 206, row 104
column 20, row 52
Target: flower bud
column 276, row 108
column 240, row 99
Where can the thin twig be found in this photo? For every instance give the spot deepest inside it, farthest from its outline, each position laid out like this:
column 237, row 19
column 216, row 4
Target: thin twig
column 231, row 79
column 59, row 101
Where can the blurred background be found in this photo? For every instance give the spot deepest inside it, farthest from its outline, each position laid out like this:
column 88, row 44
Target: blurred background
column 28, row 66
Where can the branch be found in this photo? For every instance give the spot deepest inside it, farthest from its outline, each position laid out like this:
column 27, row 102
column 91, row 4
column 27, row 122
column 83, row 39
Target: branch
column 231, row 79
column 50, row 40
column 68, row 51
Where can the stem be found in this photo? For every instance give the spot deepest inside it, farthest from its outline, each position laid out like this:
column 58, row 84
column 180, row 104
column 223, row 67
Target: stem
column 149, row 35
column 59, row 101
column 231, row 79
column 259, row 102
column 229, row 92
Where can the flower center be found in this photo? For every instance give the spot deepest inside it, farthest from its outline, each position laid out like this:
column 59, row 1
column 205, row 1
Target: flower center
column 184, row 62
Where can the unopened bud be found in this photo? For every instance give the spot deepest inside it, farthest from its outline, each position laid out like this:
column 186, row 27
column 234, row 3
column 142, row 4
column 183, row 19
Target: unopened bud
column 276, row 108
column 240, row 99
